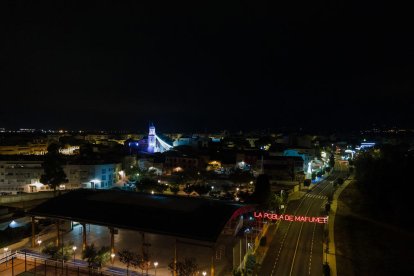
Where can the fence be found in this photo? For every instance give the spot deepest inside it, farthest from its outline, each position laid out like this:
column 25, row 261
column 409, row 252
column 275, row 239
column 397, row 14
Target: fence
column 19, row 262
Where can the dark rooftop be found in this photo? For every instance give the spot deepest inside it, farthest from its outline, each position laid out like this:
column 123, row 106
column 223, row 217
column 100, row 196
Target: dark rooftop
column 188, row 217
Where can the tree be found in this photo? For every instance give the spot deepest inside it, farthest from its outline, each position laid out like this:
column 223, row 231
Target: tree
column 240, row 176
column 327, row 207
column 243, row 196
column 58, row 252
column 129, row 258
column 148, row 185
column 274, row 202
column 134, row 173
column 53, row 174
column 284, row 196
column 384, row 177
column 340, row 181
column 174, row 188
column 250, row 263
column 262, row 190
column 143, row 262
column 188, row 267
column 90, row 254
column 103, row 256
column 199, row 189
column 96, row 257
column 332, row 161
column 51, row 249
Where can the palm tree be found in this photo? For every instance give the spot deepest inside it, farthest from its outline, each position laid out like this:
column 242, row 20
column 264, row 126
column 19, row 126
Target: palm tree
column 127, row 258
column 96, row 257
column 90, row 254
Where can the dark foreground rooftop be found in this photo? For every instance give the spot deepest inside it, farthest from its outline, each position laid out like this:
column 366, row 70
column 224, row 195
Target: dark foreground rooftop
column 188, row 217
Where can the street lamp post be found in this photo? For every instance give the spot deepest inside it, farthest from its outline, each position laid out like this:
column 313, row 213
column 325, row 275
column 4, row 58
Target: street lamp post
column 5, row 253
column 74, row 252
column 245, row 236
column 112, row 257
column 155, row 266
column 39, row 242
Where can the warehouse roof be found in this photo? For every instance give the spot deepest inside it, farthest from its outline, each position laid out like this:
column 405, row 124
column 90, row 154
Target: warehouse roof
column 189, row 217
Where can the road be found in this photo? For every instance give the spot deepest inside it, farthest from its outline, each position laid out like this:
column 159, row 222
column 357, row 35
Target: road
column 297, row 247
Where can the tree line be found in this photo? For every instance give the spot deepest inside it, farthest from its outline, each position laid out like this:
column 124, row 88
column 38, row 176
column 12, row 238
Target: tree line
column 385, row 178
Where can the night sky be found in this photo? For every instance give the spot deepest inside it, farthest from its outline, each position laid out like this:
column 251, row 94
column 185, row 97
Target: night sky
column 194, row 66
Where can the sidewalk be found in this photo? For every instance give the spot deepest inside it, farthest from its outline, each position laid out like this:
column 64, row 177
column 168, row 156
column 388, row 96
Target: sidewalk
column 261, row 251
column 330, row 255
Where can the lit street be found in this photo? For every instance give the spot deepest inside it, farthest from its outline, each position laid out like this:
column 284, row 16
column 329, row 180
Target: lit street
column 297, row 247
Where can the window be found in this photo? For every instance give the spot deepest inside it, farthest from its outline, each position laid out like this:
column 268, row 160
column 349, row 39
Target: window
column 103, row 171
column 103, row 177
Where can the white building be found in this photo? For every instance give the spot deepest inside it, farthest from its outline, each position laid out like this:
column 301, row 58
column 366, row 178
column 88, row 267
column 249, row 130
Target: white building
column 93, row 176
column 21, row 176
column 24, row 176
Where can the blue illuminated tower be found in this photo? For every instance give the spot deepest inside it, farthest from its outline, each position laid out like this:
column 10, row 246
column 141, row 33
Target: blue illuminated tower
column 151, row 138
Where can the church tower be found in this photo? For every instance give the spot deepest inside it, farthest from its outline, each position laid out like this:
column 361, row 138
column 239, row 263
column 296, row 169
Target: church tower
column 151, row 138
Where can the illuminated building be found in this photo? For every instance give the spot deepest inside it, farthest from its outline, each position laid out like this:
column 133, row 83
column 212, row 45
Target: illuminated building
column 27, row 149
column 306, row 154
column 151, row 139
column 153, row 143
column 21, row 176
column 92, row 176
column 176, row 159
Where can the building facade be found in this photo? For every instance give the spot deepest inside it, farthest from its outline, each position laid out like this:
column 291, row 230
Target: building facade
column 21, row 176
column 92, row 176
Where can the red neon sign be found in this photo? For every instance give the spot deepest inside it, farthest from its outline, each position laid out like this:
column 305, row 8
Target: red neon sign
column 285, row 217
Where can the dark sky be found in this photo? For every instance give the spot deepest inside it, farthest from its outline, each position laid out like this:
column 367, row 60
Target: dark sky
column 201, row 65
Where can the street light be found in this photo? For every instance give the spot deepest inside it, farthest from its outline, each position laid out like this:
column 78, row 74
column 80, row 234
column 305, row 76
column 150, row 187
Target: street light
column 74, row 250
column 204, row 273
column 5, row 253
column 112, row 257
column 39, row 242
column 247, row 231
column 155, row 265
